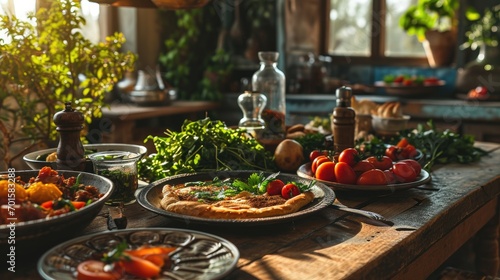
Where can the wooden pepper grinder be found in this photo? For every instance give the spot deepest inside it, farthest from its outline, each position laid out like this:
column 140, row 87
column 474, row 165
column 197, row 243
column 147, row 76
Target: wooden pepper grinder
column 343, row 121
column 70, row 151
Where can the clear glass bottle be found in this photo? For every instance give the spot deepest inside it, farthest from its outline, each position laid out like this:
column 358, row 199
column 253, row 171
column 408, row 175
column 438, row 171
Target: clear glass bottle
column 270, row 81
column 251, row 105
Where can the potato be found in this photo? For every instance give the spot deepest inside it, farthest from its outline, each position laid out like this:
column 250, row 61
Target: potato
column 20, row 192
column 39, row 192
column 289, row 155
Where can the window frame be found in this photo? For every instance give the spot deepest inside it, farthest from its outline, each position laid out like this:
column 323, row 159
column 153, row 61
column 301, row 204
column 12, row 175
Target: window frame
column 377, row 44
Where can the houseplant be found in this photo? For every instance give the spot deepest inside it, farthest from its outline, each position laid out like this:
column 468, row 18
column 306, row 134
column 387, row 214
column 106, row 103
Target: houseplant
column 46, row 65
column 484, row 35
column 191, row 59
column 434, row 23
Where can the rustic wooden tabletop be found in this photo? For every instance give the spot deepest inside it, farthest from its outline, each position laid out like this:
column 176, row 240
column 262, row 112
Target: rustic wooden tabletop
column 431, row 222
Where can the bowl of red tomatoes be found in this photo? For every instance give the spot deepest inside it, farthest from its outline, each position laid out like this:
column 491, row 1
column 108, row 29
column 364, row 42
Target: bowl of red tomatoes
column 397, row 169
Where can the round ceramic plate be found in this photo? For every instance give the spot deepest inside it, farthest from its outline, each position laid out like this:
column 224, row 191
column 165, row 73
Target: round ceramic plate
column 150, row 198
column 416, row 90
column 304, row 171
column 198, row 255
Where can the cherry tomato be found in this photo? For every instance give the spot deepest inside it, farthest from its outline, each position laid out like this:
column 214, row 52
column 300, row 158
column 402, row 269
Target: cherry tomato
column 362, row 166
column 349, row 156
column 404, row 172
column 382, row 163
column 345, row 174
column 318, row 161
column 290, row 190
column 372, row 177
column 274, row 187
column 94, row 270
column 316, row 153
column 391, row 152
column 326, row 171
column 416, row 166
column 402, row 143
column 411, row 151
column 391, row 178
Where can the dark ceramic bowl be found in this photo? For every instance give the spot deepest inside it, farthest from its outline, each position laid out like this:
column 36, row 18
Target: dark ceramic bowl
column 36, row 160
column 32, row 236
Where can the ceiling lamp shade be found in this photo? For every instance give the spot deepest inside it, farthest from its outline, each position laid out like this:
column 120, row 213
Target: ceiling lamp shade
column 162, row 4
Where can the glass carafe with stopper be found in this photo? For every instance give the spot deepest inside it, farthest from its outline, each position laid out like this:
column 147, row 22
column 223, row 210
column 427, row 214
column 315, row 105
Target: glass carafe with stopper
column 270, row 81
column 252, row 105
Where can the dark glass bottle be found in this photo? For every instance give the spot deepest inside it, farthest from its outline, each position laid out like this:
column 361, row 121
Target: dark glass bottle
column 343, row 121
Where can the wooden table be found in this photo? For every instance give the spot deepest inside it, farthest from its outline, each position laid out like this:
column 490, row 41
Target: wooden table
column 122, row 117
column 430, row 223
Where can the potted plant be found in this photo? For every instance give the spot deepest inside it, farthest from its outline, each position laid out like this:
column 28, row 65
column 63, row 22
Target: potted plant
column 484, row 35
column 434, row 23
column 46, row 65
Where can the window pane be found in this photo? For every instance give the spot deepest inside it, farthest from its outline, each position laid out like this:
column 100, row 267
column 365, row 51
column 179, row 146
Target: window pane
column 397, row 42
column 350, row 27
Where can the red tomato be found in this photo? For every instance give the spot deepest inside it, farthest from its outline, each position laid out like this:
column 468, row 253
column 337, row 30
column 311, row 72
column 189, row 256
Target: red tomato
column 345, row 174
column 140, row 267
column 392, row 152
column 318, row 161
column 274, row 187
column 402, row 143
column 372, row 177
column 94, row 270
column 349, row 156
column 362, row 166
column 416, row 166
column 404, row 172
column 411, row 151
column 391, row 178
column 382, row 163
column 326, row 171
column 290, row 190
column 399, row 79
column 316, row 153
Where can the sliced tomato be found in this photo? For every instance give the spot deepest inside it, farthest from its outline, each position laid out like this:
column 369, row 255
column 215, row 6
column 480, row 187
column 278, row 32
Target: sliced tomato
column 326, row 171
column 290, row 190
column 274, row 187
column 344, row 173
column 94, row 270
column 140, row 267
column 78, row 204
column 372, row 177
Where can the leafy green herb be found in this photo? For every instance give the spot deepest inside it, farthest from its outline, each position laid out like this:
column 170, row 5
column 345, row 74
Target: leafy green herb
column 443, row 146
column 117, row 254
column 202, row 146
column 312, row 141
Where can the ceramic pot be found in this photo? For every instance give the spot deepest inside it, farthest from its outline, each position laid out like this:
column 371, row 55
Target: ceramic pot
column 483, row 71
column 440, row 47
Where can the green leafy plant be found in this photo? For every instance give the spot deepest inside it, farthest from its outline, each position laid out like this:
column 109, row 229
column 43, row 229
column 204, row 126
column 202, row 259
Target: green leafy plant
column 485, row 29
column 429, row 15
column 191, row 60
column 48, row 64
